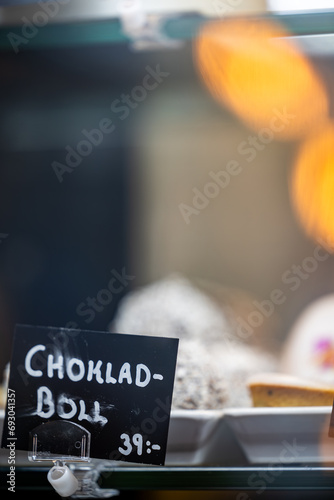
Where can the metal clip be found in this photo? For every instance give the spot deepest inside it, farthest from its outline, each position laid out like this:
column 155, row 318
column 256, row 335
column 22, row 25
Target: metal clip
column 144, row 31
column 88, row 476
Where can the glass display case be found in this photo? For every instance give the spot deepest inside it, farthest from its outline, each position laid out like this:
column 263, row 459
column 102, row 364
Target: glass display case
column 186, row 147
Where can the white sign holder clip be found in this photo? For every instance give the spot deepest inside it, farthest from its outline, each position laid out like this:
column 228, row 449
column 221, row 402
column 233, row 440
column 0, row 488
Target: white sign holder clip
column 60, row 441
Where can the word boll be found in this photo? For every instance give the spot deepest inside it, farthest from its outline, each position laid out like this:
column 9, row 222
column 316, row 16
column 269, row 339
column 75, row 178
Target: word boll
column 47, row 406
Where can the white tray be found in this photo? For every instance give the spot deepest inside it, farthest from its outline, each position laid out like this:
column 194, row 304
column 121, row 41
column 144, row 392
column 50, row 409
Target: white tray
column 202, row 437
column 285, row 436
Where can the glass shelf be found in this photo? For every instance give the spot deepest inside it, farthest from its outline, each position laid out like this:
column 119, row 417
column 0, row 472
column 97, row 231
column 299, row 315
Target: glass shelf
column 211, row 478
column 192, row 478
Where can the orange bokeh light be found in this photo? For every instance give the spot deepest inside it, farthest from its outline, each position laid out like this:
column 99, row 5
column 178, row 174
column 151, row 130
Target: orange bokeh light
column 312, row 186
column 252, row 68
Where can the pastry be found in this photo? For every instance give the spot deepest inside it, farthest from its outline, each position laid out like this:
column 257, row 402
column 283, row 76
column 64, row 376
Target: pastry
column 213, row 363
column 276, row 389
column 309, row 348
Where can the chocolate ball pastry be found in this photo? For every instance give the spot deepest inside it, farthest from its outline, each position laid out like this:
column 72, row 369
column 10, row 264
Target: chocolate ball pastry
column 213, row 363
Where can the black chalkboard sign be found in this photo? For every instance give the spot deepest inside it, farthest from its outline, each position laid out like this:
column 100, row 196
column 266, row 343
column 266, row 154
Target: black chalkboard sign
column 117, row 387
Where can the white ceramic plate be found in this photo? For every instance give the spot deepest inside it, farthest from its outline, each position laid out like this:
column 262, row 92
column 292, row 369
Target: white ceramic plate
column 284, row 436
column 202, row 437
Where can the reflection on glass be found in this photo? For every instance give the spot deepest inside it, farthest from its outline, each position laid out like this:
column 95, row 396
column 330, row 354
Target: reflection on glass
column 253, row 68
column 312, row 186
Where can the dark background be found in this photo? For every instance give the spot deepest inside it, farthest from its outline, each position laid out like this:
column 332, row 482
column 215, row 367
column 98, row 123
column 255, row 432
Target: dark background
column 64, row 239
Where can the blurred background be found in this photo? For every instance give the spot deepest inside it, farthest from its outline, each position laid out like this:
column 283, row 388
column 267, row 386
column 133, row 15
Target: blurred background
column 144, row 202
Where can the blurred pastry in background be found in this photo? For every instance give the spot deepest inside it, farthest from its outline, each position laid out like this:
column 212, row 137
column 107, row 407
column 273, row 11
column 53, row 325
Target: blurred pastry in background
column 281, row 390
column 172, row 307
column 309, row 348
column 213, row 361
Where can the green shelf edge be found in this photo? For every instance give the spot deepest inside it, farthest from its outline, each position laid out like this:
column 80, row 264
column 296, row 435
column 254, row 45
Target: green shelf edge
column 184, row 27
column 192, row 478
